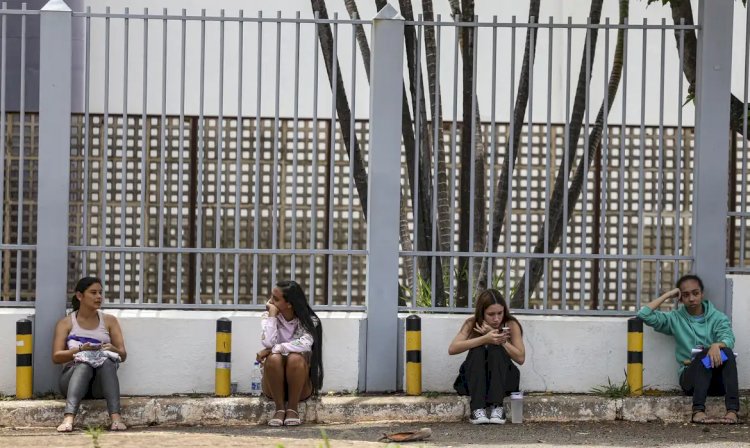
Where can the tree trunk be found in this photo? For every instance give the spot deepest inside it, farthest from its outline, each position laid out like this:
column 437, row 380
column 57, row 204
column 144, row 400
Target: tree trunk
column 342, row 104
column 444, row 230
column 519, row 111
column 534, row 271
column 684, row 10
column 424, row 230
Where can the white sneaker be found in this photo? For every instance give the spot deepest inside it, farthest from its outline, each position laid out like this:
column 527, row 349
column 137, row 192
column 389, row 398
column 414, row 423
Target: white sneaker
column 479, row 417
column 497, row 415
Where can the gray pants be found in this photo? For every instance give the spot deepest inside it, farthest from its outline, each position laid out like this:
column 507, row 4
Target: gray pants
column 79, row 381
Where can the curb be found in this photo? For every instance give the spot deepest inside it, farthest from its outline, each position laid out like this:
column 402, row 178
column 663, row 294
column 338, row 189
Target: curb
column 150, row 411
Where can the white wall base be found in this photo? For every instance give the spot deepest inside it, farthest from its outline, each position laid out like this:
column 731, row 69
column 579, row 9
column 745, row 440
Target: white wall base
column 174, row 351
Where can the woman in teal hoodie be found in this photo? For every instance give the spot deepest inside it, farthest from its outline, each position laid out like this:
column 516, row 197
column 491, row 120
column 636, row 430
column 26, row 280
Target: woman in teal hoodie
column 703, row 346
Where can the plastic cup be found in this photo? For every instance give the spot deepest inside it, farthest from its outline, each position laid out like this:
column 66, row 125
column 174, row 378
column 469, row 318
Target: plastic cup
column 516, row 407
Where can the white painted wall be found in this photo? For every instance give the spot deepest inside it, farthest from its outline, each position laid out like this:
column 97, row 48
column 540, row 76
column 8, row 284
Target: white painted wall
column 8, row 318
column 174, row 351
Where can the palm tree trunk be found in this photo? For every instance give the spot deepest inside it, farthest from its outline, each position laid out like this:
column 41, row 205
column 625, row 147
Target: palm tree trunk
column 444, row 230
column 684, row 10
column 534, row 271
column 342, row 104
column 519, row 111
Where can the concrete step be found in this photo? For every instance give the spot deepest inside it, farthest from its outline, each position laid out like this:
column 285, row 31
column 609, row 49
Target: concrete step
column 243, row 410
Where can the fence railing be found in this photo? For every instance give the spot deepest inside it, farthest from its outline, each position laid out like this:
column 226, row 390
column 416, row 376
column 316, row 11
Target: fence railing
column 180, row 199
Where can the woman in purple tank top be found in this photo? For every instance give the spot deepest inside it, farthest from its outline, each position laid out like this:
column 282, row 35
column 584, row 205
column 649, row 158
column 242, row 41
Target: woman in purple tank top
column 90, row 345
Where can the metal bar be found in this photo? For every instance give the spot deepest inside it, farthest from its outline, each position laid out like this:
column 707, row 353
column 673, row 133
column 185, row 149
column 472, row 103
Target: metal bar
column 86, row 141
column 660, row 157
column 548, row 165
column 211, row 250
column 105, row 152
column 124, row 148
column 21, row 149
column 162, row 155
column 314, row 199
column 295, row 143
column 472, row 169
column 332, row 152
column 367, row 22
column 3, row 116
column 574, row 256
column 276, row 150
column 566, row 161
column 219, row 165
column 437, row 121
column 603, row 168
column 493, row 157
column 743, row 203
column 584, row 187
column 201, row 155
column 678, row 181
column 641, row 158
column 238, row 157
column 257, row 172
column 415, row 187
column 451, row 295
column 180, row 158
column 529, row 138
column 509, row 155
column 621, row 184
column 144, row 156
column 351, row 170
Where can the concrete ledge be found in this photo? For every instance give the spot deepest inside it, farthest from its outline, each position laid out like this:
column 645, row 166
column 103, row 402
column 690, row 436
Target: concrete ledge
column 143, row 411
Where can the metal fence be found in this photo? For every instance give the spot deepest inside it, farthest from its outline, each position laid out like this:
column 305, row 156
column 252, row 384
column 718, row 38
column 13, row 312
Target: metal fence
column 181, row 197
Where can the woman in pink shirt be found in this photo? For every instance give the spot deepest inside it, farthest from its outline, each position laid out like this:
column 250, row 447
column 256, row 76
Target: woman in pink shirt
column 292, row 355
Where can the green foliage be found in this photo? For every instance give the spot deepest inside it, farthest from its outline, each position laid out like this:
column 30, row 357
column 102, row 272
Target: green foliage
column 4, row 397
column 94, row 432
column 326, row 443
column 431, row 394
column 611, row 390
column 424, row 287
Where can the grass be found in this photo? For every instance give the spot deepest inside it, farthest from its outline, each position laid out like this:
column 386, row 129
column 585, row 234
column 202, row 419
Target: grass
column 94, row 432
column 611, row 390
column 4, row 397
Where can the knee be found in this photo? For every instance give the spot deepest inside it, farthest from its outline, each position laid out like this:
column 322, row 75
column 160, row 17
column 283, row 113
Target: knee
column 295, row 362
column 274, row 361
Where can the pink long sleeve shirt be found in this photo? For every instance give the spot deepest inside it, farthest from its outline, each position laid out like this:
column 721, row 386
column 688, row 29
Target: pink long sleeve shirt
column 284, row 336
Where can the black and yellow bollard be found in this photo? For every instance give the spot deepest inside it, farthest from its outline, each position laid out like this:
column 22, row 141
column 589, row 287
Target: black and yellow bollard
column 24, row 369
column 223, row 357
column 413, row 355
column 635, row 356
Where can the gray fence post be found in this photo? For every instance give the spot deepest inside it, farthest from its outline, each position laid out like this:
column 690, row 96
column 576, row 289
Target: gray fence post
column 54, row 180
column 386, row 83
column 714, row 73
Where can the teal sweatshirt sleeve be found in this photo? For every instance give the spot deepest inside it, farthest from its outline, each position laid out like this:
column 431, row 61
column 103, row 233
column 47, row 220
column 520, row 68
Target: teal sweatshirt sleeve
column 722, row 332
column 658, row 320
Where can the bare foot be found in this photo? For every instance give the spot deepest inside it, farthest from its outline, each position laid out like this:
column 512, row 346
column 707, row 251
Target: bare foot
column 730, row 418
column 67, row 424
column 699, row 417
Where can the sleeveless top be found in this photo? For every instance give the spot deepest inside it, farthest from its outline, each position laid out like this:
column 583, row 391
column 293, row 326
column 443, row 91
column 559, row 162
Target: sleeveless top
column 79, row 336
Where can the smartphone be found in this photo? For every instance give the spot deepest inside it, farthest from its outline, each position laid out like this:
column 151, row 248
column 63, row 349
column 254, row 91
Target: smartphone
column 707, row 360
column 506, row 329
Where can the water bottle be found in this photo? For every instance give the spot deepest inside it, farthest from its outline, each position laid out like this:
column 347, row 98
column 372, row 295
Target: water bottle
column 255, row 379
column 516, row 407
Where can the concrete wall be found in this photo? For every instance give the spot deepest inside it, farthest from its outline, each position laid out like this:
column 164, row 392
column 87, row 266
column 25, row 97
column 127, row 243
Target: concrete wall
column 173, row 351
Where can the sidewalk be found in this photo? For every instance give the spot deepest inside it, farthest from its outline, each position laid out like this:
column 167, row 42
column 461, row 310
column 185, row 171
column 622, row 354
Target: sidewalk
column 244, row 410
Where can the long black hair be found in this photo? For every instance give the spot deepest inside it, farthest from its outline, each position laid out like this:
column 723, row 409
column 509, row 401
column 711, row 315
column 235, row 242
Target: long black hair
column 295, row 296
column 82, row 285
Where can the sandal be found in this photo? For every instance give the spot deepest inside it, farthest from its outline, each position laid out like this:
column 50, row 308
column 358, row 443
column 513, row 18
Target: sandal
column 292, row 421
column 277, row 421
column 699, row 417
column 730, row 418
column 118, row 425
column 65, row 427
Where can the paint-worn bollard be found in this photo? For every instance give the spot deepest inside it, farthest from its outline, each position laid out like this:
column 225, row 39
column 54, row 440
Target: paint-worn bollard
column 635, row 356
column 413, row 355
column 223, row 357
column 24, row 369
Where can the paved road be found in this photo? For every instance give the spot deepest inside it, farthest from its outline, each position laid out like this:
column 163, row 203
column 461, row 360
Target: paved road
column 620, row 434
